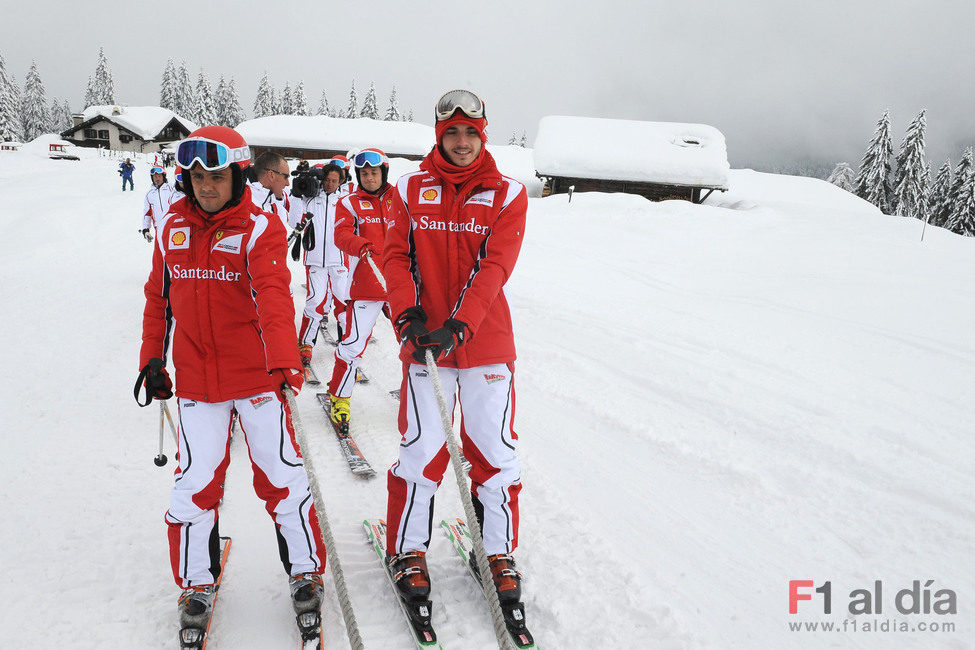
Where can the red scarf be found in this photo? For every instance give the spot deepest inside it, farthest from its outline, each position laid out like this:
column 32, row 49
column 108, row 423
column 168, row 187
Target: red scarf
column 482, row 169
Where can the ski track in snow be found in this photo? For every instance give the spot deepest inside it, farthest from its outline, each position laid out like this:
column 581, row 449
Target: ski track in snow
column 713, row 400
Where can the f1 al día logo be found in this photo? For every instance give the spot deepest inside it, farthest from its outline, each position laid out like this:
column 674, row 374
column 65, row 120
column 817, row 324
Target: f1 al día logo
column 921, row 606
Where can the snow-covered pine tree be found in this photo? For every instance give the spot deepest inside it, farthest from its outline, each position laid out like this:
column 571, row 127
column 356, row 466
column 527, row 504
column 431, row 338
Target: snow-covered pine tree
column 873, row 179
column 353, row 110
column 961, row 218
column 101, row 87
column 264, row 102
column 33, row 105
column 299, row 102
column 843, row 176
column 220, row 103
column 524, row 140
column 186, row 95
column 911, row 178
column 206, row 112
column 11, row 128
column 287, row 105
column 167, row 87
column 409, row 118
column 59, row 116
column 370, row 108
column 513, row 140
column 323, row 108
column 392, row 113
column 235, row 112
column 90, row 95
column 938, row 206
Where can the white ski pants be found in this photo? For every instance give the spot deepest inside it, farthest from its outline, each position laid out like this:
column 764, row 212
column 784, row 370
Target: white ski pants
column 279, row 479
column 326, row 287
column 361, row 317
column 487, row 402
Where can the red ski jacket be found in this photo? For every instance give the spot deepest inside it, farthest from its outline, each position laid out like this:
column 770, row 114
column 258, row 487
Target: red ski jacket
column 219, row 284
column 450, row 250
column 360, row 219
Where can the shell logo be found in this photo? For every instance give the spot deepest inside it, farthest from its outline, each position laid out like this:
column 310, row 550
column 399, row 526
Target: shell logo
column 179, row 238
column 366, row 205
column 429, row 195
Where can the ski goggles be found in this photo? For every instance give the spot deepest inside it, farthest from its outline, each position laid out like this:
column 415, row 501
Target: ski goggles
column 211, row 155
column 459, row 100
column 370, row 159
column 157, row 170
column 338, row 162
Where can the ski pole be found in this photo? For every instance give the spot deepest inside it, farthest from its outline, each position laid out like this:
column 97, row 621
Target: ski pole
column 160, row 458
column 487, row 580
column 172, row 427
column 341, row 590
column 379, row 275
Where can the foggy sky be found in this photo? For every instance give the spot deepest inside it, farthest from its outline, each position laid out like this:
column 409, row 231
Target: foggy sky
column 784, row 81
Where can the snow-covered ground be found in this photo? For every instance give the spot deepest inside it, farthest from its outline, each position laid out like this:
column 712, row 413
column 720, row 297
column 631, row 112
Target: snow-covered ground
column 713, row 400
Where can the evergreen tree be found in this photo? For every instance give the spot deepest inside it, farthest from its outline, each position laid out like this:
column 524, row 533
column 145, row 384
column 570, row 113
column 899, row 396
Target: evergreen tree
column 186, row 98
column 353, row 109
column 524, row 140
column 370, row 108
column 873, row 179
column 11, row 128
column 206, row 112
column 961, row 200
column 513, row 140
column 59, row 116
column 264, row 103
column 235, row 112
column 323, row 108
column 299, row 102
column 843, row 177
column 409, row 118
column 33, row 105
column 220, row 103
column 938, row 206
column 101, row 87
column 287, row 106
column 392, row 113
column 911, row 179
column 167, row 88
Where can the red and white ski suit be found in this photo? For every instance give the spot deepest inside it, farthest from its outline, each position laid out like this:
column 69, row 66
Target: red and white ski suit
column 450, row 250
column 360, row 221
column 219, row 288
column 156, row 204
column 326, row 274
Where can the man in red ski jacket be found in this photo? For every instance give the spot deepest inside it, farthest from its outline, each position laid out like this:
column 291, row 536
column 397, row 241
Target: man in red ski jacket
column 455, row 230
column 219, row 288
column 360, row 231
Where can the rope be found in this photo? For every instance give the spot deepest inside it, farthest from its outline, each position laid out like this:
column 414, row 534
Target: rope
column 487, row 581
column 341, row 590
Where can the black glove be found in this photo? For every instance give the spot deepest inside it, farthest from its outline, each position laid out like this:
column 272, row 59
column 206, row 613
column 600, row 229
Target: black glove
column 441, row 341
column 304, row 222
column 145, row 233
column 411, row 324
column 156, row 380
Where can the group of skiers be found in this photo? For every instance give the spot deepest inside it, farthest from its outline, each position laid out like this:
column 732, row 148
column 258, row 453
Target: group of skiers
column 446, row 239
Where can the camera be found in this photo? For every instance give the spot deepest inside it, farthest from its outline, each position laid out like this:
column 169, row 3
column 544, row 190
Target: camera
column 307, row 183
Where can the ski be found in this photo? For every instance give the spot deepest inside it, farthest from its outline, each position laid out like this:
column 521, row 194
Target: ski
column 194, row 638
column 310, row 377
column 326, row 335
column 514, row 613
column 417, row 613
column 353, row 455
column 360, row 377
column 311, row 627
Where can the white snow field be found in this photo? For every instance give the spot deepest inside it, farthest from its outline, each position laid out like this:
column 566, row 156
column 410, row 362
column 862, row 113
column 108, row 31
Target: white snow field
column 713, row 400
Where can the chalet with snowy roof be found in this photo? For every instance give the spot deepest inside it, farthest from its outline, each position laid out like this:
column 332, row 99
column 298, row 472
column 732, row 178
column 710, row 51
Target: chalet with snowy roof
column 144, row 129
column 316, row 137
column 658, row 160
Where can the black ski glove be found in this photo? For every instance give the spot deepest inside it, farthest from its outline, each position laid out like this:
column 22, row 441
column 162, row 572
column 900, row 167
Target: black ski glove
column 304, row 222
column 145, row 233
column 411, row 324
column 441, row 341
column 156, row 381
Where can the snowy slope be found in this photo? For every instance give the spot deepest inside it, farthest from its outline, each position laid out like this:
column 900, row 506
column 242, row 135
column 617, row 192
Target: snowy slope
column 713, row 400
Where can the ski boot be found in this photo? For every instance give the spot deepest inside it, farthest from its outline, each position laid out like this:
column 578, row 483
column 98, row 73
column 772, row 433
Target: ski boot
column 195, row 606
column 409, row 571
column 507, row 581
column 306, row 598
column 339, row 412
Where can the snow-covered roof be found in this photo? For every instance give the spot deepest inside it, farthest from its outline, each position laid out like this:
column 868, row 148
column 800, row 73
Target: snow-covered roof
column 144, row 121
column 340, row 134
column 668, row 153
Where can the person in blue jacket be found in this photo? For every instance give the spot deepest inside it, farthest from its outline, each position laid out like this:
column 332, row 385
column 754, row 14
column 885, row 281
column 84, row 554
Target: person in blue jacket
column 126, row 169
